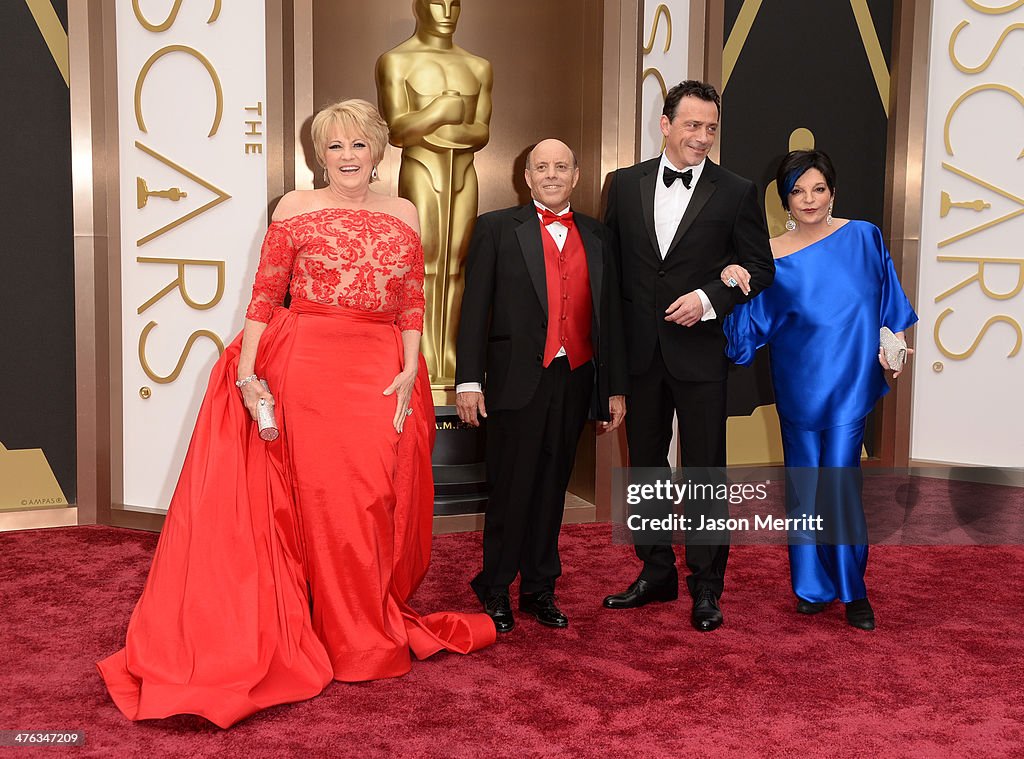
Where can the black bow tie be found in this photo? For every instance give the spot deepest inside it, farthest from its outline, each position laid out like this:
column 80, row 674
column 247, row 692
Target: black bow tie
column 671, row 175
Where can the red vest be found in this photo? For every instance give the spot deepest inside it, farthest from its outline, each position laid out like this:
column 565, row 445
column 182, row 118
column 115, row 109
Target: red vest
column 569, row 301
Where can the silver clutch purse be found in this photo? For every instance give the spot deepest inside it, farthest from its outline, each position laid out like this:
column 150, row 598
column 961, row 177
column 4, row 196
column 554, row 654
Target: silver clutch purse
column 265, row 418
column 893, row 348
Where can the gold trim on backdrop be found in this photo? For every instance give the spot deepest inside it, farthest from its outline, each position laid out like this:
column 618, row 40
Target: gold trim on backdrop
column 664, row 93
column 54, row 36
column 981, row 227
column 38, row 520
column 695, row 44
column 27, row 481
column 280, row 100
column 221, row 195
column 989, row 87
column 755, row 439
column 991, row 56
column 661, row 10
column 620, row 144
column 714, row 33
column 903, row 198
column 738, row 38
column 994, row 10
column 95, row 199
column 304, row 107
column 171, row 16
column 873, row 49
column 140, row 81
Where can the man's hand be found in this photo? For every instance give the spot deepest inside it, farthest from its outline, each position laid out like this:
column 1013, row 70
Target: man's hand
column 617, row 412
column 685, row 310
column 469, row 405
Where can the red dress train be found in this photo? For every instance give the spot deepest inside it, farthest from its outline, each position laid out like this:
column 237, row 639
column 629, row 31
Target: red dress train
column 284, row 565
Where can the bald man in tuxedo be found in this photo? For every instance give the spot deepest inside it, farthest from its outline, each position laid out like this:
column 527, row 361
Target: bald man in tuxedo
column 540, row 347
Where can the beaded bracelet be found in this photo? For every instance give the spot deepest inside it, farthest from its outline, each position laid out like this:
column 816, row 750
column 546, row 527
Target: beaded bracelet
column 245, row 381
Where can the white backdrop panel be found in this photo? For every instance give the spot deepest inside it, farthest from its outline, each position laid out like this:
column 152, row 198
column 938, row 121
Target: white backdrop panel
column 969, row 381
column 191, row 94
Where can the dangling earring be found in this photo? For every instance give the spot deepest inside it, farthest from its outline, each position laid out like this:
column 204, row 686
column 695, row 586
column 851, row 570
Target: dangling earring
column 790, row 224
column 373, row 175
column 828, row 217
column 327, row 179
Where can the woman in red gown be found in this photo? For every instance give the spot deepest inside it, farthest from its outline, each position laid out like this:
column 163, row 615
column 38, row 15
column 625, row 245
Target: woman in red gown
column 287, row 564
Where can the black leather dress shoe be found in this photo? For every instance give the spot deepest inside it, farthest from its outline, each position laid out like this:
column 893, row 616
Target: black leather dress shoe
column 706, row 615
column 542, row 606
column 810, row 607
column 499, row 609
column 859, row 614
column 642, row 592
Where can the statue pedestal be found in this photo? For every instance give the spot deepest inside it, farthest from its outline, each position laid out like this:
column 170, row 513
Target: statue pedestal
column 459, row 463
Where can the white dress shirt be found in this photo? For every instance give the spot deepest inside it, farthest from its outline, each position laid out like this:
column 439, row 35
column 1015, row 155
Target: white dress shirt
column 559, row 233
column 670, row 203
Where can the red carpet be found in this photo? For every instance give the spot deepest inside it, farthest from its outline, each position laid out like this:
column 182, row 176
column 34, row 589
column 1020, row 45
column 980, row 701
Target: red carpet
column 941, row 676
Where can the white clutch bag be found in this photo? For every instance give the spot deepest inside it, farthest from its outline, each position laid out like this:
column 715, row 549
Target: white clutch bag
column 893, row 348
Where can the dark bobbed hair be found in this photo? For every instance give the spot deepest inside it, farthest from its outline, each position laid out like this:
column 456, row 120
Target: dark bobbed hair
column 690, row 88
column 795, row 164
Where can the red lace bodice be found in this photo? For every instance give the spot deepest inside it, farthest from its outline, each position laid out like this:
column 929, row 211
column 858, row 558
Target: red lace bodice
column 368, row 260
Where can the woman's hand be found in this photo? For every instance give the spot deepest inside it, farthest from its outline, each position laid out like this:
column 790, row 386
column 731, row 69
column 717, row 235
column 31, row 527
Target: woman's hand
column 735, row 275
column 252, row 393
column 885, row 364
column 401, row 388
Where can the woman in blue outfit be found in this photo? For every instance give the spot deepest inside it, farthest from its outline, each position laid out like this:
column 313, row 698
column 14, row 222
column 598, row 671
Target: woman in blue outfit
column 835, row 286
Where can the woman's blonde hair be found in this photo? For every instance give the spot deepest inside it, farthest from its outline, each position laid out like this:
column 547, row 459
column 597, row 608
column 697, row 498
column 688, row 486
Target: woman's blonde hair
column 354, row 117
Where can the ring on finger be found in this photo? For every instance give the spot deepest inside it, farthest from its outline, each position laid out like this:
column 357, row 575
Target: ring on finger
column 408, row 412
column 731, row 282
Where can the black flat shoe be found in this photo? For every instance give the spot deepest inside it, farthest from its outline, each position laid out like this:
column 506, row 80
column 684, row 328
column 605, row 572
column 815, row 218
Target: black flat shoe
column 499, row 609
column 706, row 615
column 859, row 614
column 810, row 607
column 640, row 593
column 542, row 606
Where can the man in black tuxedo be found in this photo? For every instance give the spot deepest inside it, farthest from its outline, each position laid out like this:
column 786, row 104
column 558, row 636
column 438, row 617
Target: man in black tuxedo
column 677, row 221
column 541, row 336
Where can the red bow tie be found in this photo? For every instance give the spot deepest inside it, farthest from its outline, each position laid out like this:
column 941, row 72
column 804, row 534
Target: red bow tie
column 547, row 217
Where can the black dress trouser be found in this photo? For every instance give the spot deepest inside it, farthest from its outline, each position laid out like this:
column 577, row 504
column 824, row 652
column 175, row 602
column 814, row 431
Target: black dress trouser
column 530, row 456
column 655, row 397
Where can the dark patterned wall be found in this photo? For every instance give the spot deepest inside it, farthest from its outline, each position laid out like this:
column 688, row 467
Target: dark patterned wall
column 37, row 310
column 806, row 65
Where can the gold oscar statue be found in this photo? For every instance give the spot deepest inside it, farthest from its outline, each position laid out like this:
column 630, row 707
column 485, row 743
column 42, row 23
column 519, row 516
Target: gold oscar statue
column 437, row 99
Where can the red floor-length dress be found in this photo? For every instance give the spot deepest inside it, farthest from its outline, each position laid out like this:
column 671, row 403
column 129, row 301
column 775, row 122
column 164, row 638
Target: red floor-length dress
column 284, row 565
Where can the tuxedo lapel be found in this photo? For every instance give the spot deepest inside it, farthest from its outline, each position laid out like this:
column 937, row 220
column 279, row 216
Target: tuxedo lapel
column 647, row 186
column 702, row 193
column 532, row 248
column 595, row 256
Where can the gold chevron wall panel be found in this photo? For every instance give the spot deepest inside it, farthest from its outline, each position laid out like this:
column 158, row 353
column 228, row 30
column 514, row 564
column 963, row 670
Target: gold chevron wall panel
column 27, row 482
column 816, row 77
column 37, row 318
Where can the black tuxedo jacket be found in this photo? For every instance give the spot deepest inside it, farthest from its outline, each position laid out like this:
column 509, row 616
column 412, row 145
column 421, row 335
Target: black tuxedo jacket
column 723, row 224
column 503, row 326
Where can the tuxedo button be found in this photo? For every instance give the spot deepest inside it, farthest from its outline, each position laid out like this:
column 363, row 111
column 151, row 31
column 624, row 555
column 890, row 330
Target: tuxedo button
column 539, row 358
column 661, row 274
